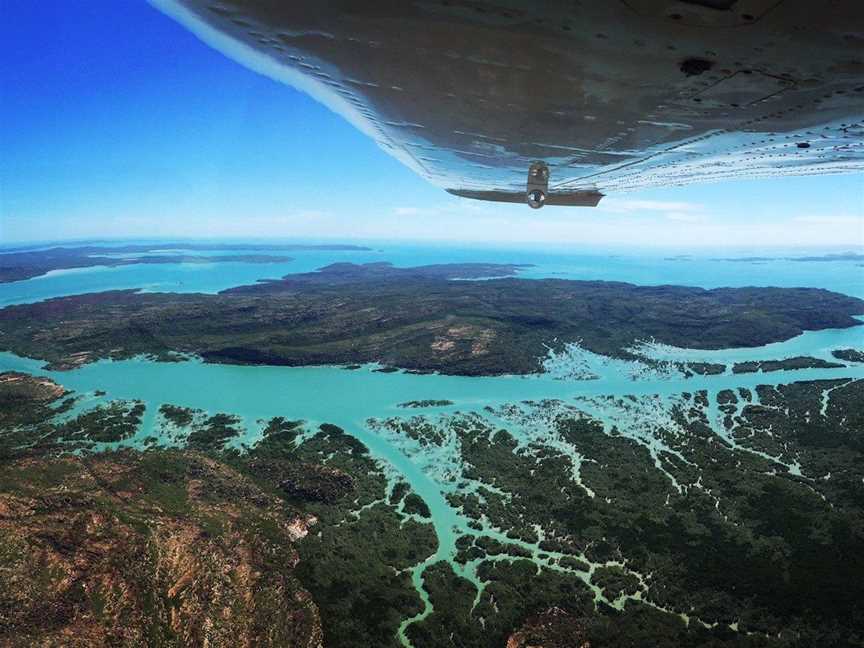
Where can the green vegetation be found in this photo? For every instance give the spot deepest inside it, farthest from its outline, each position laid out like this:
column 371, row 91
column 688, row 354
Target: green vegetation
column 400, row 489
column 354, row 564
column 353, row 560
column 279, row 437
column 850, row 355
column 27, row 406
column 615, row 581
column 17, row 265
column 413, row 318
column 426, row 403
column 415, row 505
column 701, row 368
column 513, row 591
column 726, row 535
column 31, row 423
column 280, row 425
column 798, row 362
column 178, row 416
column 214, row 431
column 104, row 424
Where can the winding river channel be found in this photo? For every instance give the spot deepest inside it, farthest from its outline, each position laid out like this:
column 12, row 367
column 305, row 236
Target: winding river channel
column 356, row 399
column 352, row 399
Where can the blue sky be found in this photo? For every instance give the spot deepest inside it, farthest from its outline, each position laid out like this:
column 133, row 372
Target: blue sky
column 117, row 122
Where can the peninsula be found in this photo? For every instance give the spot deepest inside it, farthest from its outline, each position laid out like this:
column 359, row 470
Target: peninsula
column 426, row 318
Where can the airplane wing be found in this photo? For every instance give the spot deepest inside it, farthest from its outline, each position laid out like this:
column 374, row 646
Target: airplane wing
column 603, row 95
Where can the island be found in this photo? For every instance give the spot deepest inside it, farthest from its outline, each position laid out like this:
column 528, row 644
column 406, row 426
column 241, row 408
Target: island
column 429, row 402
column 838, row 256
column 849, row 355
column 798, row 362
column 425, row 318
column 18, row 264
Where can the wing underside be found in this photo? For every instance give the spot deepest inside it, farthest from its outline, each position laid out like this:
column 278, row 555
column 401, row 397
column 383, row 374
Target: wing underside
column 611, row 95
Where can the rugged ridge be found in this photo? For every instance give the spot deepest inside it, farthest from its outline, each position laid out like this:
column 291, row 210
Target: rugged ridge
column 157, row 548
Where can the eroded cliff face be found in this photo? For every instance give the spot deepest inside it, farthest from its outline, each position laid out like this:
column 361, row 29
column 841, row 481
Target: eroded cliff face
column 160, row 548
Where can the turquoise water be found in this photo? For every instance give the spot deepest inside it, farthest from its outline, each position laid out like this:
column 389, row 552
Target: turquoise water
column 641, row 267
column 359, row 401
column 350, row 399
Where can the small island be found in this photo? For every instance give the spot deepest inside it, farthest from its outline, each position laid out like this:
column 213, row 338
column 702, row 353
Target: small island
column 426, row 403
column 849, row 355
column 798, row 362
column 840, row 256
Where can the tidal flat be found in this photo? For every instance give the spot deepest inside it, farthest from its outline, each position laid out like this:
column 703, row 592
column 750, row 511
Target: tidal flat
column 597, row 502
column 649, row 496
